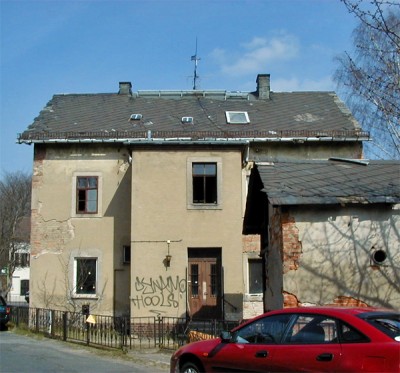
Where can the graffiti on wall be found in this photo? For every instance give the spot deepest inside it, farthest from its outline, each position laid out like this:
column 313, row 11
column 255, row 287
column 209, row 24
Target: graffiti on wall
column 159, row 292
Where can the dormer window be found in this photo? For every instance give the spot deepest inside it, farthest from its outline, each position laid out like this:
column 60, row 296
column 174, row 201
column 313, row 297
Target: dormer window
column 237, row 117
column 187, row 120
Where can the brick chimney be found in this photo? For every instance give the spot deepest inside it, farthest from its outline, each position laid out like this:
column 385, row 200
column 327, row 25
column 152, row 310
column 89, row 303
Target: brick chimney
column 125, row 88
column 263, row 86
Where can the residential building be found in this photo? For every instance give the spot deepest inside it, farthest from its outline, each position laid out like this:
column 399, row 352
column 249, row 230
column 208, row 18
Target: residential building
column 138, row 198
column 21, row 275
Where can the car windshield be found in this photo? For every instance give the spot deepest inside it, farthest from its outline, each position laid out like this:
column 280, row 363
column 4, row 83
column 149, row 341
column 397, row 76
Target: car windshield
column 388, row 324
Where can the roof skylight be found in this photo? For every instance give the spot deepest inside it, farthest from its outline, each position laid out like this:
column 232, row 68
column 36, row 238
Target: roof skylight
column 237, row 117
column 188, row 120
column 136, row 116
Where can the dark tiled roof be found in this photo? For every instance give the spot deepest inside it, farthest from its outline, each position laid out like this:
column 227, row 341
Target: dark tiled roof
column 331, row 182
column 108, row 115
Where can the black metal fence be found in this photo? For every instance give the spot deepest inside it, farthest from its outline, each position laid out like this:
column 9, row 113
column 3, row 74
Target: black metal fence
column 118, row 332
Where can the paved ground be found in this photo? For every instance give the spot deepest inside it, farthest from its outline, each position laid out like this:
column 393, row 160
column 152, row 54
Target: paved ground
column 152, row 357
column 35, row 353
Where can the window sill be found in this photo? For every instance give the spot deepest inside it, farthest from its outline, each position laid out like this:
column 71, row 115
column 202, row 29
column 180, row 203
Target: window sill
column 85, row 296
column 204, row 206
column 256, row 297
column 96, row 215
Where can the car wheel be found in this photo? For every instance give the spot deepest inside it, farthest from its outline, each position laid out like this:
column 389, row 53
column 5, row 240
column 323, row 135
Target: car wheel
column 190, row 368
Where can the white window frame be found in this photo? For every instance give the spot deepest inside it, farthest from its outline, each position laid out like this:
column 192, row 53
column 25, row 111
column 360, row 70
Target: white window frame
column 230, row 114
column 85, row 295
column 189, row 183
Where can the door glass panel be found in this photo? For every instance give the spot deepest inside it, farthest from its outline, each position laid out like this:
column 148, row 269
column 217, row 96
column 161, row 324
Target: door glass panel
column 213, row 275
column 194, row 278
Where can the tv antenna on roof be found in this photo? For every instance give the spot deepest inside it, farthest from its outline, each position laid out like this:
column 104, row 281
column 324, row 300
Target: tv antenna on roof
column 196, row 60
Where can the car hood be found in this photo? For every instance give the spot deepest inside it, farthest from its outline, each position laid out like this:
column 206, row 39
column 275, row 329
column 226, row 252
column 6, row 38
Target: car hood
column 201, row 348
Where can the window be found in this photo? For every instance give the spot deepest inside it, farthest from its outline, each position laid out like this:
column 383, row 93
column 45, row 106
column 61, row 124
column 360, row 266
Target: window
column 22, row 259
column 268, row 330
column 24, row 287
column 313, row 329
column 255, row 276
column 188, row 120
column 237, row 117
column 126, row 254
column 204, row 182
column 86, row 194
column 85, row 275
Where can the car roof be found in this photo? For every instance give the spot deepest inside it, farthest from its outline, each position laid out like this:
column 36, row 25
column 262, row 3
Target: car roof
column 330, row 311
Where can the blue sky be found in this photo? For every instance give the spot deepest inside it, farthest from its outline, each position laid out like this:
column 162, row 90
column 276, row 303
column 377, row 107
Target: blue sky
column 50, row 47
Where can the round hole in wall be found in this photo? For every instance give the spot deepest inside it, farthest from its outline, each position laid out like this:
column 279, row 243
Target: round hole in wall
column 379, row 256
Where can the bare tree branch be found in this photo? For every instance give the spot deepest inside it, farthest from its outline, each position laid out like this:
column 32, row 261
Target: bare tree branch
column 15, row 204
column 371, row 76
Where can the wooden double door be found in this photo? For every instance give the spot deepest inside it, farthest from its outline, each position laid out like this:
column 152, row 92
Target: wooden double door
column 205, row 290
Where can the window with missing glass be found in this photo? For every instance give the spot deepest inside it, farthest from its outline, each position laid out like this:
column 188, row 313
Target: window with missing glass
column 255, row 276
column 85, row 275
column 204, row 183
column 86, row 194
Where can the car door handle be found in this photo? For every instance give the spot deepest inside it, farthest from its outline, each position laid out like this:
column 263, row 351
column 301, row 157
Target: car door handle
column 261, row 353
column 325, row 357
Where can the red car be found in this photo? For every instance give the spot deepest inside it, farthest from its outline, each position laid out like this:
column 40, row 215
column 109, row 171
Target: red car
column 308, row 339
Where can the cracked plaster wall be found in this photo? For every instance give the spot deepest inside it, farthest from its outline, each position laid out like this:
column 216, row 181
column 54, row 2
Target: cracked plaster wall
column 326, row 256
column 58, row 235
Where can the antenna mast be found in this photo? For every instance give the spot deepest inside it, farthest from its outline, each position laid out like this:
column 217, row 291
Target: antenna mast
column 195, row 76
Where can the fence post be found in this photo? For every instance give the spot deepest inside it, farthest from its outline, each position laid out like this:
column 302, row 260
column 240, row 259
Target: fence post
column 37, row 319
column 123, row 331
column 159, row 320
column 87, row 333
column 17, row 318
column 64, row 318
column 52, row 322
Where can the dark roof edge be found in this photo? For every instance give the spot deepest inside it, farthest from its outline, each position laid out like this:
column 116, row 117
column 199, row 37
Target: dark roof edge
column 29, row 137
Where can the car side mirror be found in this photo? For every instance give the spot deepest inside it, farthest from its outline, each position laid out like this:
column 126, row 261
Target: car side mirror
column 226, row 337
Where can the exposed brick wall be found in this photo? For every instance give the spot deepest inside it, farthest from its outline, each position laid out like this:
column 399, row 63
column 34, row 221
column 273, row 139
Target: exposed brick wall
column 251, row 243
column 349, row 302
column 252, row 309
column 292, row 248
column 290, row 300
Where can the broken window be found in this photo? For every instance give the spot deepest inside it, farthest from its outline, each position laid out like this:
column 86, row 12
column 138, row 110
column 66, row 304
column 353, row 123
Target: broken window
column 86, row 194
column 85, row 275
column 204, row 182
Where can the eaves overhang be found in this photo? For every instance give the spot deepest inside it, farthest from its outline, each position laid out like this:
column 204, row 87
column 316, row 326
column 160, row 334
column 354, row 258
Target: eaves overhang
column 330, row 200
column 223, row 137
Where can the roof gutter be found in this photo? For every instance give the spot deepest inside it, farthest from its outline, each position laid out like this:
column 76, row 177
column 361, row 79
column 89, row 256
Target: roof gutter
column 189, row 140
